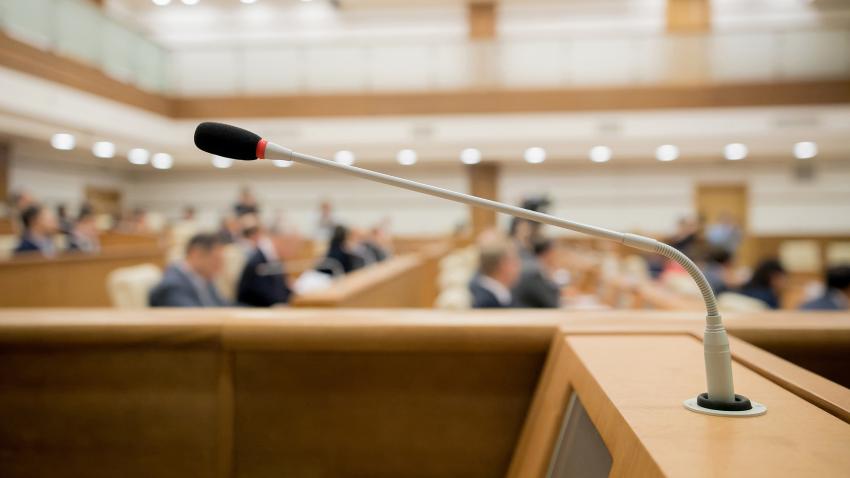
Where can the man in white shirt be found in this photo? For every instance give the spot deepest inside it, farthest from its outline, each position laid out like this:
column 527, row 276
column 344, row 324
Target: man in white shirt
column 498, row 271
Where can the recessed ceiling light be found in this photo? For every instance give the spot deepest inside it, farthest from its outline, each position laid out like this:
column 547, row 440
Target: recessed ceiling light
column 162, row 161
column 805, row 150
column 138, row 156
column 667, row 152
column 344, row 157
column 190, row 2
column 735, row 151
column 221, row 162
column 282, row 163
column 248, row 1
column 535, row 155
column 103, row 149
column 470, row 156
column 600, row 154
column 63, row 141
column 406, row 157
column 161, row 3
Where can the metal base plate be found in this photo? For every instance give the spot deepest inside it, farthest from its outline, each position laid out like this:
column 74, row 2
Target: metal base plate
column 758, row 409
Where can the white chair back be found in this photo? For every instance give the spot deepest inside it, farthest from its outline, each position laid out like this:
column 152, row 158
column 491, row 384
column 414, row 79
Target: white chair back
column 235, row 258
column 838, row 253
column 129, row 286
column 734, row 302
column 456, row 298
column 800, row 256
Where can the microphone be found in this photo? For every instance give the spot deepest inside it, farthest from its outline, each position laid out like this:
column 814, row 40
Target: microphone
column 720, row 399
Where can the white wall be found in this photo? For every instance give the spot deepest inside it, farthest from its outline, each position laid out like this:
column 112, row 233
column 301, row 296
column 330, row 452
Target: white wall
column 54, row 179
column 652, row 198
column 297, row 191
column 649, row 198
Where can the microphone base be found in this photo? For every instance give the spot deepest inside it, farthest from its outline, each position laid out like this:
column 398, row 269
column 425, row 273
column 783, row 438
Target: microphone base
column 742, row 407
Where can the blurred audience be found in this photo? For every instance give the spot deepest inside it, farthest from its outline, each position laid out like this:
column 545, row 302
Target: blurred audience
column 63, row 220
column 326, row 223
column 264, row 281
column 39, row 227
column 19, row 201
column 189, row 282
column 535, row 287
column 767, row 283
column 686, row 236
column 188, row 214
column 725, row 233
column 498, row 270
column 230, row 230
column 719, row 270
column 378, row 243
column 339, row 258
column 836, row 296
column 84, row 236
column 246, row 204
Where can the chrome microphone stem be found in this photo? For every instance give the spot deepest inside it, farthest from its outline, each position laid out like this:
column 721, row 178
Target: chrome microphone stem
column 718, row 360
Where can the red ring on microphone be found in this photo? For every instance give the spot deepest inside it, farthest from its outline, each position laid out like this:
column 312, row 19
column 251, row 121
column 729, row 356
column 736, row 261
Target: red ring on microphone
column 261, row 149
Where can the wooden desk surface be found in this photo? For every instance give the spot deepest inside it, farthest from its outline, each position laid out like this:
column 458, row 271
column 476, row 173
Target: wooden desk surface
column 456, row 377
column 646, row 378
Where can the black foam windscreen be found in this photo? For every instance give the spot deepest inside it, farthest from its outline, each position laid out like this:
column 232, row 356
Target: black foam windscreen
column 225, row 140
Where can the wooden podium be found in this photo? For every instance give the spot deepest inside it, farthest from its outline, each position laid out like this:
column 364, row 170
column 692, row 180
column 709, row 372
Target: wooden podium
column 393, row 392
column 632, row 387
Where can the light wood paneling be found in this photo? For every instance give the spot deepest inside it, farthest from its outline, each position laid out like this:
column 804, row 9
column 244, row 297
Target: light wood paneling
column 322, row 392
column 481, row 15
column 5, row 161
column 30, row 60
column 634, row 398
column 715, row 200
column 72, row 280
column 688, row 16
column 484, row 183
column 33, row 61
column 408, row 280
column 517, row 101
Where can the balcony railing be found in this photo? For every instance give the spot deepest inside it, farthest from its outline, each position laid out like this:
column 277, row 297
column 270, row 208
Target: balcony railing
column 77, row 29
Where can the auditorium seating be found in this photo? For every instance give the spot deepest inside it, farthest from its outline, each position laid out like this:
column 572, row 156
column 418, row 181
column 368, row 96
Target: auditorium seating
column 407, row 280
column 70, row 280
column 129, row 286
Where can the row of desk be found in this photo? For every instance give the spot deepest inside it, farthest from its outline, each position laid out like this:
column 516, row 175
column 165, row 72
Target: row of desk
column 395, row 392
column 80, row 280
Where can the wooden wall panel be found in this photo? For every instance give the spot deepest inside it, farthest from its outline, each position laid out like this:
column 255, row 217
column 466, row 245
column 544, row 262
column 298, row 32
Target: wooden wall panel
column 74, row 280
column 107, row 411
column 517, row 101
column 33, row 61
column 482, row 20
column 51, row 67
column 688, row 16
column 414, row 414
column 484, row 183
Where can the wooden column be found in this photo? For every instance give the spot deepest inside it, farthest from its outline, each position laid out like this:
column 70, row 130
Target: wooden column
column 482, row 20
column 483, row 182
column 483, row 63
column 688, row 16
column 5, row 164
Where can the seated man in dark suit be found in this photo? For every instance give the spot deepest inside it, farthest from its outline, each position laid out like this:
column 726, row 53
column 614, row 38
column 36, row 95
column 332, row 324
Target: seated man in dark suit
column 264, row 282
column 498, row 270
column 535, row 287
column 189, row 283
column 837, row 294
column 39, row 227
